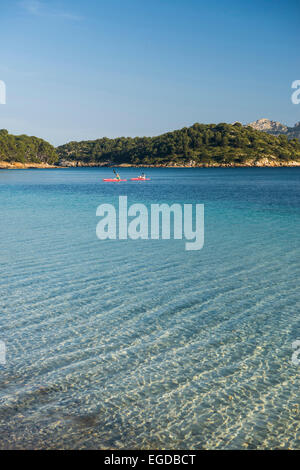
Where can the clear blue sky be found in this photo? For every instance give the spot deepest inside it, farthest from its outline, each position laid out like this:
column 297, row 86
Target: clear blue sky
column 83, row 69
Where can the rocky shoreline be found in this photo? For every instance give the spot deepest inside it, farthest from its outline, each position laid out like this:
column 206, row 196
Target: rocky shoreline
column 259, row 162
column 263, row 162
column 24, row 166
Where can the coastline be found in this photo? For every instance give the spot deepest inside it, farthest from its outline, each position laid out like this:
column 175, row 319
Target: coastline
column 262, row 163
column 25, row 166
column 257, row 164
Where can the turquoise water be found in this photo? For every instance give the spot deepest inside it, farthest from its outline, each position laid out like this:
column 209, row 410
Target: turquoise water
column 141, row 344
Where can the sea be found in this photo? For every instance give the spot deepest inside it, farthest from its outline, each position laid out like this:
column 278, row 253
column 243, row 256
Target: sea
column 142, row 344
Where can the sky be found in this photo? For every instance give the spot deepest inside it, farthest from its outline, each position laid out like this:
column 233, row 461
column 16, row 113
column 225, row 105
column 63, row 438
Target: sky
column 85, row 69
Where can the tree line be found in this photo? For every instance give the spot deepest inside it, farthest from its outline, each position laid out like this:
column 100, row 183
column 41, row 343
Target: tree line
column 196, row 145
column 25, row 149
column 201, row 143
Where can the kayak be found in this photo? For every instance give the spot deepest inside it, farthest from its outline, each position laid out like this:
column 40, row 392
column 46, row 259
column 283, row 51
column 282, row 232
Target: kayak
column 140, row 179
column 112, row 180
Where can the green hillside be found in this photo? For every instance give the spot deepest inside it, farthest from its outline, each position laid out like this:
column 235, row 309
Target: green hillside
column 196, row 145
column 25, row 149
column 200, row 144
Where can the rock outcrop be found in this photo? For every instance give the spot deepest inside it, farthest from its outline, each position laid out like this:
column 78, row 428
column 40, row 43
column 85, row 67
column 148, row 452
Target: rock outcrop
column 276, row 128
column 23, row 166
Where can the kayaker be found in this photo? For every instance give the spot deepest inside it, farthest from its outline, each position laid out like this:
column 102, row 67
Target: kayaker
column 117, row 175
column 143, row 176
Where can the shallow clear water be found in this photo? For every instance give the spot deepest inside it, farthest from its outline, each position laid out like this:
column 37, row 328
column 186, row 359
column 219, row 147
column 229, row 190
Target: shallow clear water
column 141, row 344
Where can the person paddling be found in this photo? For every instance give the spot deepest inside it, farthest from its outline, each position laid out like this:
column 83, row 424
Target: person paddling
column 117, row 175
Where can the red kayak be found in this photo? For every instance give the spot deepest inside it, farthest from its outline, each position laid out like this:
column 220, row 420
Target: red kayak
column 139, row 179
column 112, row 180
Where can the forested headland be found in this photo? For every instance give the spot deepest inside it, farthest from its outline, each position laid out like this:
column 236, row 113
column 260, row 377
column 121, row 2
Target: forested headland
column 198, row 145
column 25, row 149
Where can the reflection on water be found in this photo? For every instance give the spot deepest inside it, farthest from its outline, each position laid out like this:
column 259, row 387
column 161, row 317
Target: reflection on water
column 141, row 344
